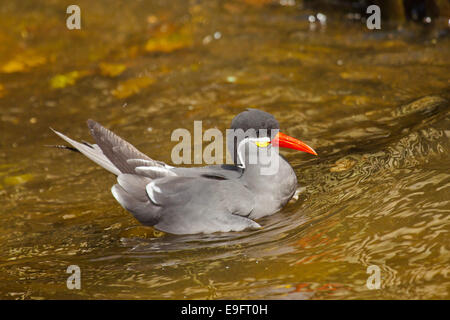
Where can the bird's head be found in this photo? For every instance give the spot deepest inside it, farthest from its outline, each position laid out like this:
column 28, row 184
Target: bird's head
column 258, row 128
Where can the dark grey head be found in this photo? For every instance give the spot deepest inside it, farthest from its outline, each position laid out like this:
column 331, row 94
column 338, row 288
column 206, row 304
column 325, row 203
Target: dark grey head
column 252, row 123
column 255, row 119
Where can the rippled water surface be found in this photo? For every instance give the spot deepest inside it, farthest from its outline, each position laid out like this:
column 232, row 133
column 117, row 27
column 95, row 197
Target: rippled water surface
column 374, row 104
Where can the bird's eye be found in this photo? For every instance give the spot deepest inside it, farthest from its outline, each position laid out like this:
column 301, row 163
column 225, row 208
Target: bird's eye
column 262, row 144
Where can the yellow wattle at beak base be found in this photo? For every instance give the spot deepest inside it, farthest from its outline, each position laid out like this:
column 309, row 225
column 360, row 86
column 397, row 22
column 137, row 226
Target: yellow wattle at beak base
column 262, row 144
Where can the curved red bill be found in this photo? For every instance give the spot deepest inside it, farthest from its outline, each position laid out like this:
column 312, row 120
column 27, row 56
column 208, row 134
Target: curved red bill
column 284, row 141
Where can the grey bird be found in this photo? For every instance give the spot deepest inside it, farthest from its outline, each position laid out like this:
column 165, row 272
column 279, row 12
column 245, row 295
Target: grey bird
column 218, row 198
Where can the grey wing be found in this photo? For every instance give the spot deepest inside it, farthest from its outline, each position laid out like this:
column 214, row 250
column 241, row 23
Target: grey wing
column 219, row 172
column 186, row 205
column 154, row 169
column 198, row 205
column 130, row 192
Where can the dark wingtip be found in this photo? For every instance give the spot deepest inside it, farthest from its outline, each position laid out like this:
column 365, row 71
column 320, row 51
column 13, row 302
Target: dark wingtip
column 61, row 146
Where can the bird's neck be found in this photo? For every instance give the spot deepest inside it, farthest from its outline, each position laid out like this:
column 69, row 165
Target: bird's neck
column 272, row 191
column 266, row 172
column 270, row 173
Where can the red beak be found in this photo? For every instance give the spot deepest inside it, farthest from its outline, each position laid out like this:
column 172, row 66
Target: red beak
column 284, row 141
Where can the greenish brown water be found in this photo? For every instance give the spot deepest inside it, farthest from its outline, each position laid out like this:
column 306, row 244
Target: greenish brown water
column 374, row 104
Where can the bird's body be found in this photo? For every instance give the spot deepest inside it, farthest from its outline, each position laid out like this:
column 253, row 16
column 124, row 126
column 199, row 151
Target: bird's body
column 179, row 200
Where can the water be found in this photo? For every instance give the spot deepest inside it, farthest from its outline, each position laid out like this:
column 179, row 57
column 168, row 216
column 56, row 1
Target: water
column 374, row 105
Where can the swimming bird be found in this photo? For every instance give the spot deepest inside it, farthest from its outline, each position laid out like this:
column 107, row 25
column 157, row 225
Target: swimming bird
column 217, row 198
